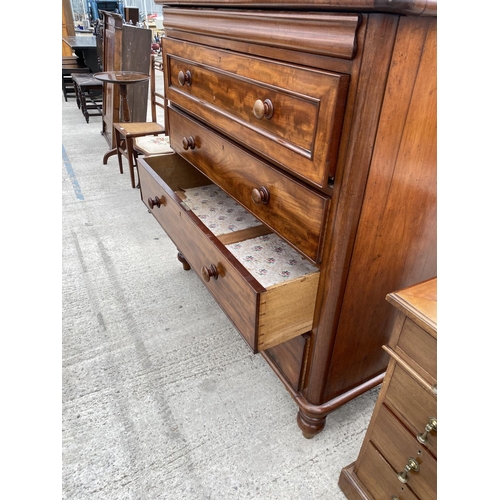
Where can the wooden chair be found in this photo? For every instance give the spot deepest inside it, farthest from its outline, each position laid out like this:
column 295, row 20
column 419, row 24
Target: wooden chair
column 147, row 138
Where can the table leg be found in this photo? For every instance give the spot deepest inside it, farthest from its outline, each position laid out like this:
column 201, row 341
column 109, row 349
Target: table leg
column 124, row 103
column 125, row 112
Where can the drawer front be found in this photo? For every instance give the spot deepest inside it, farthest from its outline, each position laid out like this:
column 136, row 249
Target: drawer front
column 379, row 478
column 413, row 404
column 290, row 115
column 419, row 346
column 201, row 250
column 265, row 317
column 294, row 211
column 397, row 446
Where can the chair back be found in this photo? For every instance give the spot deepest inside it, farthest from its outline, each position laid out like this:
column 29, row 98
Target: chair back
column 157, row 97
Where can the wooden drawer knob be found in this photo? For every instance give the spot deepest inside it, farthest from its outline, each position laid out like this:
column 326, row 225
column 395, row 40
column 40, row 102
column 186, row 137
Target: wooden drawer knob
column 184, row 78
column 260, row 196
column 263, row 109
column 154, row 202
column 188, row 142
column 209, row 272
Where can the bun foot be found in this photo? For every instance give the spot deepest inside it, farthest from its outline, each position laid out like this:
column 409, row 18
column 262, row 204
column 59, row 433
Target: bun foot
column 183, row 261
column 310, row 425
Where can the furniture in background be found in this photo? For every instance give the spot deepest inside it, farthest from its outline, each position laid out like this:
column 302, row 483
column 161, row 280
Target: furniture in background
column 131, row 15
column 398, row 457
column 88, row 91
column 122, row 79
column 68, row 26
column 146, row 137
column 124, row 48
column 85, row 48
column 71, row 65
column 319, row 119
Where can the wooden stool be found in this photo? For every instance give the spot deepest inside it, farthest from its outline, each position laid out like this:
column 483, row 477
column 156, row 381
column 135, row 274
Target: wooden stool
column 88, row 91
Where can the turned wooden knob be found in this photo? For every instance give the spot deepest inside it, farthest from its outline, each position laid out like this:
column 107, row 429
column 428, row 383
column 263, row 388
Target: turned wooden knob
column 263, row 109
column 209, row 272
column 188, row 142
column 184, row 78
column 260, row 196
column 154, row 202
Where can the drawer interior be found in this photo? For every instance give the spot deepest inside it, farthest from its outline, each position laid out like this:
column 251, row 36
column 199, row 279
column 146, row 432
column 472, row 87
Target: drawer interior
column 250, row 255
column 263, row 253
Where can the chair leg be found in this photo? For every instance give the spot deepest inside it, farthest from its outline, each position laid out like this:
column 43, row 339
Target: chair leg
column 118, row 140
column 130, row 156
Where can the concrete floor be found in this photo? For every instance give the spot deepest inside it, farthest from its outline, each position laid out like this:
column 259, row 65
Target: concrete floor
column 162, row 399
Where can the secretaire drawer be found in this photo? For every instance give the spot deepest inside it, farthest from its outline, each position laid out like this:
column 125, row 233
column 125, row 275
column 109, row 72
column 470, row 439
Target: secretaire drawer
column 265, row 287
column 292, row 209
column 289, row 114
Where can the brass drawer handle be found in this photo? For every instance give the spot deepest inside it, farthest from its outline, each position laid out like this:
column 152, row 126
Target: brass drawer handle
column 209, row 272
column 154, row 202
column 184, row 78
column 188, row 143
column 431, row 426
column 263, row 109
column 412, row 465
column 260, row 196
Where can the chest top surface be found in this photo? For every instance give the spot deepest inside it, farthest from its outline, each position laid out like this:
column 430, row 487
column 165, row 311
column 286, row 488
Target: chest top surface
column 419, row 302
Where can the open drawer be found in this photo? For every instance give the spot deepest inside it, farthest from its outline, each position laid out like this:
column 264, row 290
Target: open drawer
column 266, row 288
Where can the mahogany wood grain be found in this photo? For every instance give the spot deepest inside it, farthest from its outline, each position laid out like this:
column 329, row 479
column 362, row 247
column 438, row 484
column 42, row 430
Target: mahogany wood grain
column 264, row 317
column 291, row 358
column 414, row 7
column 200, row 249
column 362, row 118
column 297, row 56
column 395, row 239
column 320, row 33
column 294, row 211
column 303, row 133
column 375, row 229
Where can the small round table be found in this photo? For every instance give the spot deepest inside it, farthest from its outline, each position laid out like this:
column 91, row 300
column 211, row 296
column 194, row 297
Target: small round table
column 121, row 78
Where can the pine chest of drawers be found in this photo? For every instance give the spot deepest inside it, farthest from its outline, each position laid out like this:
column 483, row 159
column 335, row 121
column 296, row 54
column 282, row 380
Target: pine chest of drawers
column 319, row 125
column 398, row 458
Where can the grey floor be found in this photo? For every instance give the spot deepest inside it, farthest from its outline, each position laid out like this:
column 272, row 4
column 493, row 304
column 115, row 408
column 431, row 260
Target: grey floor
column 161, row 397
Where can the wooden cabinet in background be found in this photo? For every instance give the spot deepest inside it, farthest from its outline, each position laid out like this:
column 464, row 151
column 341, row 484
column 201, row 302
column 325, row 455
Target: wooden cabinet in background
column 68, row 26
column 124, row 48
column 398, row 457
column 319, row 119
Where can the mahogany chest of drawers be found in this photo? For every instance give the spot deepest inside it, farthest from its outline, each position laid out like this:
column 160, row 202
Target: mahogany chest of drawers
column 303, row 185
column 398, row 457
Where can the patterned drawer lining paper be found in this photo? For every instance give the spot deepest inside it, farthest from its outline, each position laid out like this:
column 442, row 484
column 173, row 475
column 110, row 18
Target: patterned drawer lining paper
column 269, row 258
column 218, row 211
